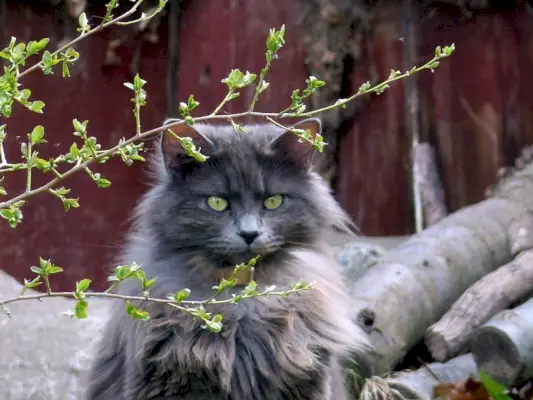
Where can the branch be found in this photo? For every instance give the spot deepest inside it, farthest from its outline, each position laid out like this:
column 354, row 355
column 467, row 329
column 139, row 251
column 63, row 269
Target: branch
column 84, row 35
column 173, row 303
column 364, row 89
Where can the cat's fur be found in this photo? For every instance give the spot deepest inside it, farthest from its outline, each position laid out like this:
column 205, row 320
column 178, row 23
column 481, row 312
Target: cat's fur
column 270, row 348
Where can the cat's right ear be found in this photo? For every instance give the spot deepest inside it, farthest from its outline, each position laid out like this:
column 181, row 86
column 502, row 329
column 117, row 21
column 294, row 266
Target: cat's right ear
column 174, row 154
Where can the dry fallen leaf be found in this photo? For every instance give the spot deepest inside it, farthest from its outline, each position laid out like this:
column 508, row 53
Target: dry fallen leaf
column 468, row 389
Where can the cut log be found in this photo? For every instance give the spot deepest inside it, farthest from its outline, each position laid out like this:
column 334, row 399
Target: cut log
column 521, row 234
column 491, row 294
column 419, row 384
column 503, row 347
column 414, row 284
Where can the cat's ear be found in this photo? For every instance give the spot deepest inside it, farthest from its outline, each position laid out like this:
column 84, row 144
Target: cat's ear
column 289, row 143
column 174, row 154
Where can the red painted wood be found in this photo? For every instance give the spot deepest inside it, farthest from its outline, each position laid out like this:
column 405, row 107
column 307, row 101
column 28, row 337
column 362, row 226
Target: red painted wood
column 480, row 98
column 224, row 34
column 373, row 186
column 82, row 241
column 476, row 109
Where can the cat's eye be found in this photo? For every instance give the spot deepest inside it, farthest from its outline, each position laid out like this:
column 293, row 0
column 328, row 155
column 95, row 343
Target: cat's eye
column 217, row 203
column 273, row 202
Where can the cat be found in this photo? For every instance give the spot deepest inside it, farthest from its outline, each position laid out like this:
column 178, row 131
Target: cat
column 255, row 195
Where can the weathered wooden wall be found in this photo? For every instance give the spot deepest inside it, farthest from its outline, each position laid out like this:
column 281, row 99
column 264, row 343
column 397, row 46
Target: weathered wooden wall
column 476, row 109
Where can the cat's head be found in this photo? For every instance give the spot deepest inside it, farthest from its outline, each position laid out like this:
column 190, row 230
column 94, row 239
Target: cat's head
column 256, row 194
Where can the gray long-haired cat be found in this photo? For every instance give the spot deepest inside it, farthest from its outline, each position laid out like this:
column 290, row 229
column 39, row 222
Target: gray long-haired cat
column 255, row 195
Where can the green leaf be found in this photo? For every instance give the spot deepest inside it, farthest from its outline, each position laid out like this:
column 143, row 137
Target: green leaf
column 83, row 21
column 13, row 215
column 71, row 54
column 103, row 183
column 37, row 270
column 31, row 284
column 54, row 269
column 6, row 110
column 37, row 135
column 25, row 94
column 122, row 272
column 496, row 390
column 3, row 191
column 276, row 39
column 74, row 151
column 35, row 47
column 148, row 283
column 234, row 79
column 136, row 313
column 191, row 103
column 248, row 78
column 233, row 96
column 37, row 106
column 80, row 127
column 61, row 191
column 183, row 294
column 42, row 164
column 47, row 58
column 70, row 203
column 80, row 309
column 65, row 71
column 212, row 325
column 138, row 83
column 18, row 53
column 48, row 62
column 250, row 289
column 83, row 285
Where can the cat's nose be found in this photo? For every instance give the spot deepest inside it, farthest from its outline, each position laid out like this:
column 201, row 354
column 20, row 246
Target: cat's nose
column 248, row 228
column 249, row 236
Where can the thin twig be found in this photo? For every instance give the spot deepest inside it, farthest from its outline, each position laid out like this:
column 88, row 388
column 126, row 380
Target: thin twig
column 77, row 39
column 211, row 300
column 28, row 170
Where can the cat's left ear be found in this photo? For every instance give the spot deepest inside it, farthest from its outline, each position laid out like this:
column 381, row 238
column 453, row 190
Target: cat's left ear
column 289, row 143
column 173, row 152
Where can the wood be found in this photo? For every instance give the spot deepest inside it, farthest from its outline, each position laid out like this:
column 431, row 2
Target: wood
column 419, row 384
column 427, row 174
column 521, row 234
column 503, row 347
column 494, row 292
column 414, row 284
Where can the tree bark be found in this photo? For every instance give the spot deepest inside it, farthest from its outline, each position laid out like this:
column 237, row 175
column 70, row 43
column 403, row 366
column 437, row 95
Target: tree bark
column 414, row 284
column 494, row 292
column 503, row 347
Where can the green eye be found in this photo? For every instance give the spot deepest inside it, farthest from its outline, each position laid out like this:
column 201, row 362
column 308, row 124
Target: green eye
column 217, row 203
column 273, row 202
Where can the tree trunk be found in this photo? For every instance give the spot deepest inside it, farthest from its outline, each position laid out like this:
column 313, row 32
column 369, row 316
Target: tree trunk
column 503, row 347
column 414, row 284
column 494, row 292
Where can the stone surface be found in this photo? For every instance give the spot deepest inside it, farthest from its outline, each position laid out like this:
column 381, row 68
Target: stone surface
column 44, row 354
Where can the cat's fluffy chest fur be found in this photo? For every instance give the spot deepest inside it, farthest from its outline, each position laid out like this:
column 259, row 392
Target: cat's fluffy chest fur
column 270, row 348
column 267, row 345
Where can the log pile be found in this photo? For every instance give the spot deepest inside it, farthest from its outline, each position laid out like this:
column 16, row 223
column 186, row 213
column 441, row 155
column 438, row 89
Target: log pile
column 463, row 288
